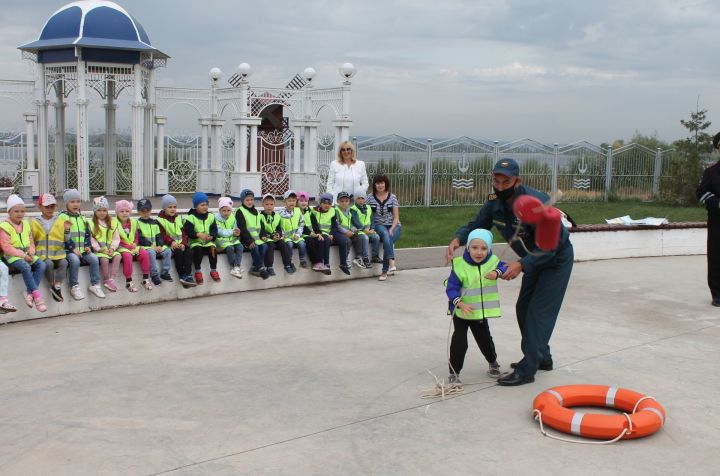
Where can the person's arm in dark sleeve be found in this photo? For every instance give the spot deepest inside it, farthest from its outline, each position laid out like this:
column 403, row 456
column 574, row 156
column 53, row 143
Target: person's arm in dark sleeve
column 142, row 239
column 705, row 194
column 501, row 268
column 88, row 242
column 214, row 230
column 334, row 225
column 189, row 230
column 453, row 290
column 314, row 223
column 537, row 257
column 482, row 220
column 355, row 220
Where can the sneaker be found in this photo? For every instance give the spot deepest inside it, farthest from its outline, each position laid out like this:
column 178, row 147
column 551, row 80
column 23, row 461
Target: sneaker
column 215, row 276
column 359, row 263
column 319, row 267
column 454, row 381
column 40, row 304
column 294, row 269
column 131, row 287
column 147, row 284
column 156, row 280
column 199, row 278
column 96, row 290
column 6, row 307
column 76, row 293
column 326, row 270
column 110, row 285
column 187, row 282
column 345, row 269
column 166, row 277
column 56, row 293
column 383, row 277
column 254, row 272
column 303, row 263
column 494, row 370
column 236, row 272
column 376, row 259
column 271, row 272
column 264, row 273
column 367, row 263
column 289, row 269
column 28, row 299
column 391, row 271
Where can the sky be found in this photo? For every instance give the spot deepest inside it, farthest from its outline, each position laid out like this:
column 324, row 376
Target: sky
column 553, row 71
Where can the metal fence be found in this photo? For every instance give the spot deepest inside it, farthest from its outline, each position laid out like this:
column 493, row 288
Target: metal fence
column 422, row 172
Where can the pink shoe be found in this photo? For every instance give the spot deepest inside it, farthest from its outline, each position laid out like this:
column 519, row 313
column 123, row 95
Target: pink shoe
column 40, row 304
column 110, row 285
column 28, row 299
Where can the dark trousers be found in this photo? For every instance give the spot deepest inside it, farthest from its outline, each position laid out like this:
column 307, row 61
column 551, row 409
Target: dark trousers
column 200, row 251
column 713, row 256
column 459, row 343
column 342, row 242
column 318, row 251
column 183, row 261
column 538, row 305
column 270, row 253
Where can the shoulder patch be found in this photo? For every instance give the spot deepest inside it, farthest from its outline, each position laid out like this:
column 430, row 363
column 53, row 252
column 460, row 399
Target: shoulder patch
column 492, row 196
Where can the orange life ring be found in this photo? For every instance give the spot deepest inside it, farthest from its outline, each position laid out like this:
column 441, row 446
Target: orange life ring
column 643, row 415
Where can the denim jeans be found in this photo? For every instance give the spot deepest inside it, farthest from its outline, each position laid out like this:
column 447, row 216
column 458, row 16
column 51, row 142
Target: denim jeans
column 166, row 260
column 74, row 268
column 258, row 256
column 32, row 274
column 300, row 245
column 4, row 279
column 342, row 242
column 374, row 243
column 55, row 270
column 388, row 242
column 234, row 255
column 360, row 245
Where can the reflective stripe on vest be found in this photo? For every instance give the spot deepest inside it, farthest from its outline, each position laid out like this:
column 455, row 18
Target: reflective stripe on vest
column 201, row 226
column 21, row 240
column 127, row 237
column 173, row 229
column 365, row 218
column 345, row 220
column 104, row 240
column 324, row 220
column 252, row 224
column 150, row 231
column 225, row 241
column 78, row 226
column 271, row 226
column 49, row 244
column 290, row 226
column 478, row 291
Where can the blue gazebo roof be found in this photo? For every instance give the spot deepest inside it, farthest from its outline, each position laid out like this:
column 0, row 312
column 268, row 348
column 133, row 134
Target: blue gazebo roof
column 93, row 24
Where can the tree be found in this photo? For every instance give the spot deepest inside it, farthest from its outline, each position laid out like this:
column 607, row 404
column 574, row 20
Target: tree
column 698, row 123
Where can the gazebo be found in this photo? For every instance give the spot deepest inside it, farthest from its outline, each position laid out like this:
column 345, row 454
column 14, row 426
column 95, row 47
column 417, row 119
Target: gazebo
column 85, row 46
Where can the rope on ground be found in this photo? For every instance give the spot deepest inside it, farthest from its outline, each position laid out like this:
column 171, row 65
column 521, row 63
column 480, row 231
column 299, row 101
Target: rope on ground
column 537, row 415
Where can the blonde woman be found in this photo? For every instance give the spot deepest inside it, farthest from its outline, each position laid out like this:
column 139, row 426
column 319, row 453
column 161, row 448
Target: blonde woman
column 346, row 174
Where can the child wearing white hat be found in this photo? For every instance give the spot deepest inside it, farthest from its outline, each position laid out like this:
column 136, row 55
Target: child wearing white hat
column 19, row 249
column 228, row 239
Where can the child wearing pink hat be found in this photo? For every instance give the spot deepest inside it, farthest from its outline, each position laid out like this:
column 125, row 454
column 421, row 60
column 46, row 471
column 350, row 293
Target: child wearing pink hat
column 129, row 248
column 228, row 239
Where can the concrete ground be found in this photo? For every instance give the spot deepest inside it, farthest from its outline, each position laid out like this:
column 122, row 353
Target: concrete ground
column 326, row 379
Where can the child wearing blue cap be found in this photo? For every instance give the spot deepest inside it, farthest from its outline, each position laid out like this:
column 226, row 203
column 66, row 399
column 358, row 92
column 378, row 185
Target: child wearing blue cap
column 473, row 294
column 201, row 229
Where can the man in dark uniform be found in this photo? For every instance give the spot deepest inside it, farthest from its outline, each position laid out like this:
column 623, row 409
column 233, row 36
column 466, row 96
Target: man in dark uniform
column 546, row 274
column 708, row 194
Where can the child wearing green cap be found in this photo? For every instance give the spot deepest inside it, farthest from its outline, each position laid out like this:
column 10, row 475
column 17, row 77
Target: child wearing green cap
column 473, row 297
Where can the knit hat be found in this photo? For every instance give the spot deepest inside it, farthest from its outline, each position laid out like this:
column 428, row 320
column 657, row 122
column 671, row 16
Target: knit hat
column 303, row 196
column 360, row 192
column 123, row 205
column 13, row 201
column 198, row 198
column 481, row 234
column 245, row 193
column 289, row 194
column 168, row 200
column 144, row 204
column 326, row 197
column 71, row 194
column 225, row 202
column 47, row 199
column 100, row 202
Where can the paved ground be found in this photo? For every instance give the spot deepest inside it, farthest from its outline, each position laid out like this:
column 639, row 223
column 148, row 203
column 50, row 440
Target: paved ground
column 322, row 380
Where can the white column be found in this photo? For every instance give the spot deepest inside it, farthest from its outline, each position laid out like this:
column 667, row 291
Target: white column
column 148, row 138
column 243, row 149
column 205, row 124
column 42, row 131
column 297, row 139
column 160, row 158
column 306, row 150
column 312, row 165
column 60, row 165
column 110, row 149
column 30, row 140
column 217, row 146
column 338, row 140
column 238, row 141
column 83, row 152
column 253, row 148
column 138, row 128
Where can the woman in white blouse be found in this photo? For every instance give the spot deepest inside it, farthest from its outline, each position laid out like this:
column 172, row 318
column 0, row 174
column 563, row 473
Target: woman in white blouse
column 346, row 174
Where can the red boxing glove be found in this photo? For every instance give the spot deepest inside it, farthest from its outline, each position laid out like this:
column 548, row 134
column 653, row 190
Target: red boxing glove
column 528, row 209
column 547, row 230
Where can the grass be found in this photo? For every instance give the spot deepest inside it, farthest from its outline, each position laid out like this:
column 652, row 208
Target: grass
column 436, row 226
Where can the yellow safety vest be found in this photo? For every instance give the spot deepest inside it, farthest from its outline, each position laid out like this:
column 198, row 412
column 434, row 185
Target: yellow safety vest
column 253, row 224
column 477, row 291
column 49, row 245
column 78, row 226
column 128, row 237
column 104, row 236
column 20, row 240
column 324, row 220
column 290, row 226
column 229, row 224
column 365, row 218
column 172, row 228
column 201, row 226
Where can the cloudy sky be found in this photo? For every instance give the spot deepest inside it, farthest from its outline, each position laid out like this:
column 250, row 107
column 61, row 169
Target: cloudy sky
column 555, row 71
